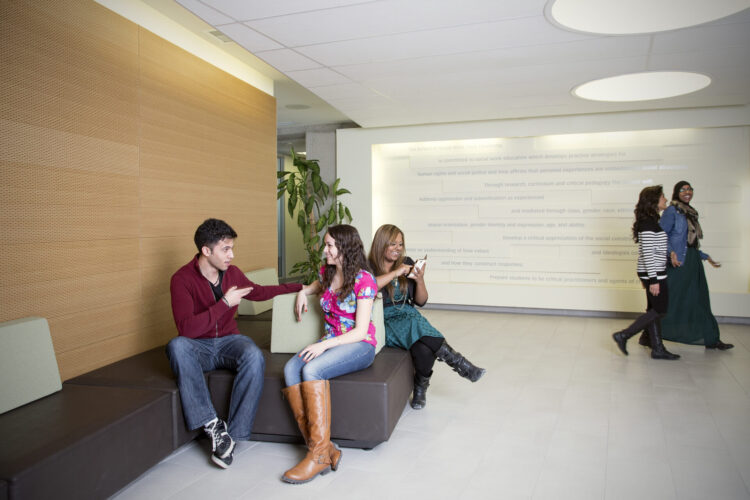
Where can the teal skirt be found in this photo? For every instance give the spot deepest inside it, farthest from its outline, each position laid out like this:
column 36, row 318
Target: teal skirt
column 689, row 318
column 404, row 325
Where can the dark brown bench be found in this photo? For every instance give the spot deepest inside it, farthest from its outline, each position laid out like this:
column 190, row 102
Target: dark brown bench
column 107, row 427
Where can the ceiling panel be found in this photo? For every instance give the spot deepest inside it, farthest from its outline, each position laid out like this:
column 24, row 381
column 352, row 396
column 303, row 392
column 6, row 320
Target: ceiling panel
column 396, row 62
column 311, row 78
column 288, row 60
column 528, row 31
column 244, row 10
column 390, row 17
column 580, row 50
column 248, row 38
column 208, row 14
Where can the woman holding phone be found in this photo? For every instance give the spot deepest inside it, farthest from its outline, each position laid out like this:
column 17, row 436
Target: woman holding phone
column 403, row 287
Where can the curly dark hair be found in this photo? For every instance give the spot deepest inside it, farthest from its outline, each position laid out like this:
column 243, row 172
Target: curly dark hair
column 647, row 208
column 211, row 232
column 352, row 252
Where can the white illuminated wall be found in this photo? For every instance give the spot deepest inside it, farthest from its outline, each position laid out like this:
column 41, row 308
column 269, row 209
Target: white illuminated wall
column 543, row 221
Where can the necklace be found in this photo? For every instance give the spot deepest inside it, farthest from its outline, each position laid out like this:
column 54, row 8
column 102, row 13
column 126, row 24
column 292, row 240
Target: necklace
column 214, row 283
column 405, row 295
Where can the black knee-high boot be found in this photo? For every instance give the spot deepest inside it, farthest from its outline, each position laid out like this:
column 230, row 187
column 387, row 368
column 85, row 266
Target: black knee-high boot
column 640, row 323
column 460, row 364
column 419, row 397
column 658, row 351
column 644, row 339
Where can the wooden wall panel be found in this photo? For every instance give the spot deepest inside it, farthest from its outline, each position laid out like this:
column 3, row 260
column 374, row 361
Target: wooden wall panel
column 114, row 146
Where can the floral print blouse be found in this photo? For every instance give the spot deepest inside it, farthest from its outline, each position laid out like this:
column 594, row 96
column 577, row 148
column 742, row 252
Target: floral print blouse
column 340, row 314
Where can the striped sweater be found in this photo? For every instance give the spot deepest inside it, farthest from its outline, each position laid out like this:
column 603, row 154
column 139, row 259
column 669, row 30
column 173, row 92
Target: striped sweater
column 652, row 251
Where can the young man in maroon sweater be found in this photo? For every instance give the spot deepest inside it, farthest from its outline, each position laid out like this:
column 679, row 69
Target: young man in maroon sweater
column 205, row 294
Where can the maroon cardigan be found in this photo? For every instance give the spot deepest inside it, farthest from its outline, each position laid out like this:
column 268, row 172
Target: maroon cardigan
column 196, row 311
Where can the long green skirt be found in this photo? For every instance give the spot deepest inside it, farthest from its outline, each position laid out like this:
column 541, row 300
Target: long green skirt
column 404, row 325
column 689, row 318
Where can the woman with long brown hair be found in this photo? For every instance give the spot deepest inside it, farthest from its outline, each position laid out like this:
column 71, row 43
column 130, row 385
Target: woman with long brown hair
column 347, row 292
column 652, row 271
column 403, row 287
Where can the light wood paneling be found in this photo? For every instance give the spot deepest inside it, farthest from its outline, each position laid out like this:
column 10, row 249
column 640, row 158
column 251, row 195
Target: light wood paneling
column 115, row 145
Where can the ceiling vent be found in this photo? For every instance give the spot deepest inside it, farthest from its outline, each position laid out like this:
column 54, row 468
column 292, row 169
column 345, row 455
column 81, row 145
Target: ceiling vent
column 220, row 36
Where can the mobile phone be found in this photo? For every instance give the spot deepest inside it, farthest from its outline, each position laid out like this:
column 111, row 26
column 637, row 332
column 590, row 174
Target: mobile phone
column 419, row 264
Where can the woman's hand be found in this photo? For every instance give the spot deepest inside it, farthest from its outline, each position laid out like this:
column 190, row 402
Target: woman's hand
column 654, row 289
column 300, row 305
column 713, row 262
column 673, row 258
column 312, row 351
column 402, row 270
column 418, row 274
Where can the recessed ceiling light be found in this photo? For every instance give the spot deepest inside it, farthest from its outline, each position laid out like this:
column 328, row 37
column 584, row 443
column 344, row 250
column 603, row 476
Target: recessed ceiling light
column 297, row 106
column 642, row 86
column 627, row 17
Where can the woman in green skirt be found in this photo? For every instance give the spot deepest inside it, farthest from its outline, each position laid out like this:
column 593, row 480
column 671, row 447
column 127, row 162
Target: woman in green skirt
column 402, row 286
column 689, row 318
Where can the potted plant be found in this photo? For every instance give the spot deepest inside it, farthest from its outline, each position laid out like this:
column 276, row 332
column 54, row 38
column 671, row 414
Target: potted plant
column 317, row 207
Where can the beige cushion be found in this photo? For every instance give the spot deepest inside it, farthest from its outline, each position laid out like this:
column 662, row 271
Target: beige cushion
column 265, row 276
column 289, row 335
column 28, row 367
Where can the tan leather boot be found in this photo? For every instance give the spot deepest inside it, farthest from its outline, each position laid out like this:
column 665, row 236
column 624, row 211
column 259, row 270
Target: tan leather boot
column 316, row 397
column 293, row 395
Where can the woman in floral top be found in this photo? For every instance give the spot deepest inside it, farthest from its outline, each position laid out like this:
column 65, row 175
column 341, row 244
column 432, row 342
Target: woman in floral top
column 347, row 291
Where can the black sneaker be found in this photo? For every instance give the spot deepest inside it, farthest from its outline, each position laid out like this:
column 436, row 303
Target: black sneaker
column 222, row 444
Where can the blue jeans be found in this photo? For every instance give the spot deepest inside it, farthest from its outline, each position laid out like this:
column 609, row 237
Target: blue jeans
column 189, row 358
column 335, row 361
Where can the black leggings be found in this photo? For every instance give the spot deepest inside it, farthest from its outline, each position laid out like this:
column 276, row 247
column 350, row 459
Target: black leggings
column 423, row 354
column 655, row 310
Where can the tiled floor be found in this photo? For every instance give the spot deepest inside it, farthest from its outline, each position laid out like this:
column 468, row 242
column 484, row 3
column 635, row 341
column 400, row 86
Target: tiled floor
column 560, row 415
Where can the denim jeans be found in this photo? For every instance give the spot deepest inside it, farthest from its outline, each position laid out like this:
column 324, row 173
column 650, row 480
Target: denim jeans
column 189, row 358
column 335, row 361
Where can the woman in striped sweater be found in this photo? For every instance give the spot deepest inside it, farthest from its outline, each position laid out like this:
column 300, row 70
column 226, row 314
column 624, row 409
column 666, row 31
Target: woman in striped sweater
column 652, row 271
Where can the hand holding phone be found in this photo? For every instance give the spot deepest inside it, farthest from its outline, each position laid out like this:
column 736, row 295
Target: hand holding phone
column 418, row 265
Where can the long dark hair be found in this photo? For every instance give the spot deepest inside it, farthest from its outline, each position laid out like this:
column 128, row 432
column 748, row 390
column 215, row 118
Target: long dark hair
column 386, row 234
column 352, row 253
column 647, row 208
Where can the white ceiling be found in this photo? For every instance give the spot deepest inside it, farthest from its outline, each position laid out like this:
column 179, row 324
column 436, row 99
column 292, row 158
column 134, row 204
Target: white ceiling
column 402, row 62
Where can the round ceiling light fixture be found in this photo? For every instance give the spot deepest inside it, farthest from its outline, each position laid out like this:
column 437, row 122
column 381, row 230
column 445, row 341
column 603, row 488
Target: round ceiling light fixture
column 628, row 17
column 642, row 86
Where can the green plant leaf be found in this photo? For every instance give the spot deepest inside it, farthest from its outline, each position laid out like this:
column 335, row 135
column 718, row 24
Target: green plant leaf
column 282, row 185
column 343, row 191
column 280, row 193
column 292, row 204
column 342, row 214
column 290, row 185
column 331, row 216
column 325, row 191
column 317, row 182
column 336, row 184
column 320, row 225
column 282, row 173
column 348, row 213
